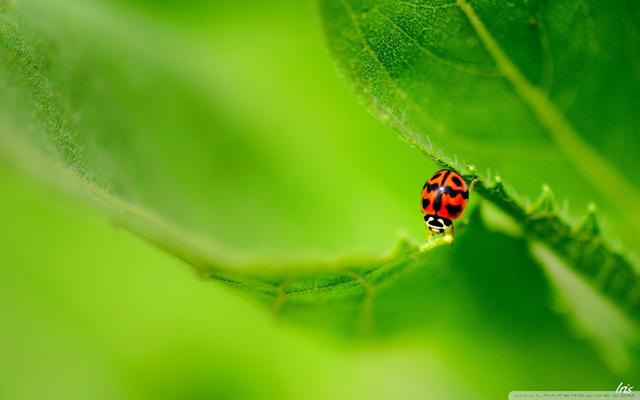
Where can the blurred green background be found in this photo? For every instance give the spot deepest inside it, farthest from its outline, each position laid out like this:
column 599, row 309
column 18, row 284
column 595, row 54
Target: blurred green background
column 228, row 121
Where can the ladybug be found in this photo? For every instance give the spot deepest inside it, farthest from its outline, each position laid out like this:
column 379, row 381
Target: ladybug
column 444, row 198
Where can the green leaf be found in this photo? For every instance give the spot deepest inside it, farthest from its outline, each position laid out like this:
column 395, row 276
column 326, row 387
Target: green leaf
column 543, row 92
column 96, row 313
column 132, row 322
column 483, row 80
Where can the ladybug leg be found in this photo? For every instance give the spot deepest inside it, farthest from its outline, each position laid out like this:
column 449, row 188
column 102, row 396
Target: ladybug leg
column 473, row 183
column 452, row 233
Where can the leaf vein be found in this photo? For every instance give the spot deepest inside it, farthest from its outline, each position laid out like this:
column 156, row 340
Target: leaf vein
column 469, row 69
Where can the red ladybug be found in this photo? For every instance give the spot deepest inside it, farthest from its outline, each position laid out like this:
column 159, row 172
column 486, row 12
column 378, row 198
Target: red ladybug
column 444, row 198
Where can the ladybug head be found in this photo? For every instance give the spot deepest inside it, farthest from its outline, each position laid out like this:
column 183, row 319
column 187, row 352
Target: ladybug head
column 436, row 223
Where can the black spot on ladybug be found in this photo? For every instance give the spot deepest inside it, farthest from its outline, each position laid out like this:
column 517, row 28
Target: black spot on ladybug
column 446, row 175
column 457, row 181
column 453, row 209
column 437, row 203
column 432, row 187
column 453, row 192
column 425, row 203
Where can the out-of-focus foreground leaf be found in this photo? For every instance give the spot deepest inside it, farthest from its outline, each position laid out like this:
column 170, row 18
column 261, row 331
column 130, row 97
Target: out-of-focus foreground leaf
column 96, row 313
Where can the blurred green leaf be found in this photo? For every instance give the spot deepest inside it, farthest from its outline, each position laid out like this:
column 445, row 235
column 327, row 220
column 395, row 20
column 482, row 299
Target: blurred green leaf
column 88, row 311
column 96, row 313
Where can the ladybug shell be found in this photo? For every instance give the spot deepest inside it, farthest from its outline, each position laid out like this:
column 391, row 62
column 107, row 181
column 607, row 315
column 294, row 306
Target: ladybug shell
column 445, row 194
